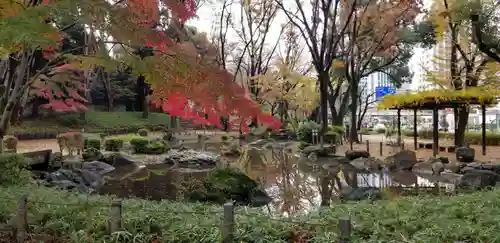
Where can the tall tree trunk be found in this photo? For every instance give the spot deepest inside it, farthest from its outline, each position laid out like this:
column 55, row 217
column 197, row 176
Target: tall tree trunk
column 145, row 107
column 461, row 123
column 15, row 95
column 315, row 114
column 15, row 117
column 324, row 79
column 354, row 115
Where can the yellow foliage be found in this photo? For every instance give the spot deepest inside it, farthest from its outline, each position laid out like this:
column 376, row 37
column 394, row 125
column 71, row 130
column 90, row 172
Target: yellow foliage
column 482, row 94
column 284, row 84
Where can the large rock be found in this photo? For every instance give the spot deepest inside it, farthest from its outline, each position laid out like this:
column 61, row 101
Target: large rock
column 454, row 167
column 403, row 160
column 97, row 167
column 83, row 180
column 188, row 158
column 367, row 164
column 481, row 166
column 231, row 149
column 319, row 150
column 465, row 154
column 478, row 179
column 92, row 154
column 283, row 134
column 403, row 177
column 230, row 184
column 119, row 160
column 354, row 154
column 423, row 167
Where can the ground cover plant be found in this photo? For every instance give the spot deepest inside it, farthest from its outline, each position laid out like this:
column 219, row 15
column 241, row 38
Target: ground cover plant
column 78, row 218
column 96, row 122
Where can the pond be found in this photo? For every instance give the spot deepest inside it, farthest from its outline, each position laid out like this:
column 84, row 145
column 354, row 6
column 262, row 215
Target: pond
column 297, row 185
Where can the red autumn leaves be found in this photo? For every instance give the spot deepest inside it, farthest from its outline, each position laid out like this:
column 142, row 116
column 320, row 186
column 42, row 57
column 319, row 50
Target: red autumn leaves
column 203, row 94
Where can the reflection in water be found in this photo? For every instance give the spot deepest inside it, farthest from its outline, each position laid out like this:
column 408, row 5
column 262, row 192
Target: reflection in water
column 293, row 191
column 297, row 185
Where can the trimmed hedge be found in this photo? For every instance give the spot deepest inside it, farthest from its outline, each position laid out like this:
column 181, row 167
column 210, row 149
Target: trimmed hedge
column 111, row 123
column 492, row 139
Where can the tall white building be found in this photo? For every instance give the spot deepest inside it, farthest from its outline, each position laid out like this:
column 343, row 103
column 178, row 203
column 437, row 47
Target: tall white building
column 369, row 84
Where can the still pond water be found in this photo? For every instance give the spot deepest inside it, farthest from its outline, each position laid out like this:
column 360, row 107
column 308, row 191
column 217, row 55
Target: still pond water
column 296, row 184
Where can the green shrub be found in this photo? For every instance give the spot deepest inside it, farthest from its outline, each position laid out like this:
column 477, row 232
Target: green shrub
column 113, row 144
column 156, row 148
column 336, row 129
column 331, row 137
column 303, row 145
column 473, row 138
column 380, row 130
column 492, row 139
column 408, row 133
column 364, row 131
column 90, row 142
column 304, row 134
column 224, row 138
column 139, row 145
column 14, row 168
column 143, row 132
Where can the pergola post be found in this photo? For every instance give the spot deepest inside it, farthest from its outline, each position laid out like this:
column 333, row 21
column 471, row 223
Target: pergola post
column 483, row 128
column 399, row 127
column 415, row 129
column 435, row 132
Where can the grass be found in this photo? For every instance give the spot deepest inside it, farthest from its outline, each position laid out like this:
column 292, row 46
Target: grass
column 96, row 122
column 468, row 217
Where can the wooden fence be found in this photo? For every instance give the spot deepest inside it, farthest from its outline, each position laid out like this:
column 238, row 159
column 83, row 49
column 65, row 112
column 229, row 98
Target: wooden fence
column 20, row 226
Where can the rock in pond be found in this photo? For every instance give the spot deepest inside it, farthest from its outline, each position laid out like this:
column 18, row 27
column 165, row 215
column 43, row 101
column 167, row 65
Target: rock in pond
column 478, row 179
column 230, row 184
column 320, row 151
column 354, row 154
column 83, row 180
column 92, row 154
column 188, row 158
column 403, row 160
column 119, row 160
column 283, row 134
column 98, row 167
column 465, row 154
column 481, row 166
column 367, row 164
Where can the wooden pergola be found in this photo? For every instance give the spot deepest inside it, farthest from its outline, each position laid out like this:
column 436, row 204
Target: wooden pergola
column 427, row 102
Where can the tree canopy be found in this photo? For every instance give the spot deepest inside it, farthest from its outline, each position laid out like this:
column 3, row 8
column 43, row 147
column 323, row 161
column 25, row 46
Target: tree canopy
column 185, row 83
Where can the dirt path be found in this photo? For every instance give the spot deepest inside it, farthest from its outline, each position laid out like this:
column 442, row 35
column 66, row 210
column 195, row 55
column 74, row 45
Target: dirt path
column 41, row 144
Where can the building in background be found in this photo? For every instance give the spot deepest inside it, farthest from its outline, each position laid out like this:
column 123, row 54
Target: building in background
column 369, row 84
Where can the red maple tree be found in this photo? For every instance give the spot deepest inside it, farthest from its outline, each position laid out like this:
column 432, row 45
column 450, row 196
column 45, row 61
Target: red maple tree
column 199, row 92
